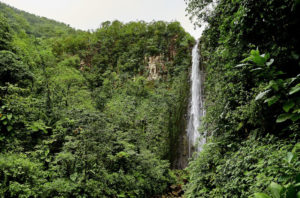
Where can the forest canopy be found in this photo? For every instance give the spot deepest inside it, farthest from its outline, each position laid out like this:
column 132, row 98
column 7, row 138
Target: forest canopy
column 89, row 114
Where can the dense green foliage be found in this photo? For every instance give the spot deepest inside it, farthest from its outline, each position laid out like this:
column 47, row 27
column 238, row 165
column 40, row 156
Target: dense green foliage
column 81, row 114
column 250, row 51
column 98, row 114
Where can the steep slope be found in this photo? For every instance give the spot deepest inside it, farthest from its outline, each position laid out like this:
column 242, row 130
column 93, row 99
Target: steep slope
column 89, row 114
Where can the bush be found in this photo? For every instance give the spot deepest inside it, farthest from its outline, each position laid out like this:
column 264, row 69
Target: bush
column 20, row 176
column 253, row 165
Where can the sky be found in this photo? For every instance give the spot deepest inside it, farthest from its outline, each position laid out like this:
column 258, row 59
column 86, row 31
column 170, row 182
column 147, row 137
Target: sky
column 89, row 14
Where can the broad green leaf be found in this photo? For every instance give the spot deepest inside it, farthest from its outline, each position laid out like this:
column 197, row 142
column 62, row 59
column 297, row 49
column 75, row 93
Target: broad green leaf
column 9, row 128
column 279, row 73
column 122, row 154
column 290, row 156
column 246, row 173
column 275, row 189
column 296, row 110
column 3, row 117
column 34, row 128
column 121, row 195
column 296, row 149
column 272, row 100
column 274, row 85
column 266, row 56
column 9, row 116
column 295, row 117
column 254, row 52
column 262, row 94
column 259, row 60
column 73, row 177
column 38, row 126
column 261, row 195
column 46, row 152
column 295, row 89
column 241, row 124
column 288, row 105
column 283, row 117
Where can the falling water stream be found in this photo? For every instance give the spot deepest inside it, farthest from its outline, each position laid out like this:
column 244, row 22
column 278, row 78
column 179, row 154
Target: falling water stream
column 190, row 140
column 196, row 110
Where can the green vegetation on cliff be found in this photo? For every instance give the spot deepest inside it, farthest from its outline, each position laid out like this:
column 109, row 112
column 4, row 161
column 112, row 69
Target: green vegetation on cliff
column 89, row 114
column 250, row 51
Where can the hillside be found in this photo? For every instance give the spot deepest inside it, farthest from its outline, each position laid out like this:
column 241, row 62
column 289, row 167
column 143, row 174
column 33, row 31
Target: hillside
column 89, row 114
column 31, row 24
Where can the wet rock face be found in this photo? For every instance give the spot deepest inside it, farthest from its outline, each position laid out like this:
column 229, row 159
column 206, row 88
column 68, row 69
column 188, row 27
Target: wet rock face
column 182, row 152
column 156, row 67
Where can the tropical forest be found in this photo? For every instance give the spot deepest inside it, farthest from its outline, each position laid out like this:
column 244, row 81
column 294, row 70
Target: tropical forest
column 145, row 109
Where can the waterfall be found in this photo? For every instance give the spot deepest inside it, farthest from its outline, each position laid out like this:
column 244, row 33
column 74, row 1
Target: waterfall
column 196, row 109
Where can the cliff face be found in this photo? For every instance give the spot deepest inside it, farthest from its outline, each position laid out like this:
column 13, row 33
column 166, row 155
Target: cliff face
column 156, row 67
column 180, row 148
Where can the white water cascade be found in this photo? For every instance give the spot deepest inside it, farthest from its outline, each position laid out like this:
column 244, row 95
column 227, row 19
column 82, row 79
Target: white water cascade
column 196, row 108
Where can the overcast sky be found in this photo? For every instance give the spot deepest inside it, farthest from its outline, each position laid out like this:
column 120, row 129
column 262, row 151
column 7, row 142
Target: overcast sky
column 89, row 14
